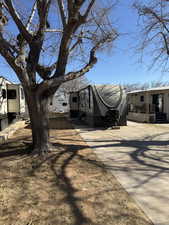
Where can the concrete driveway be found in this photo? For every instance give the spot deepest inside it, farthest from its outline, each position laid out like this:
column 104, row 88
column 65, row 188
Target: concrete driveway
column 138, row 156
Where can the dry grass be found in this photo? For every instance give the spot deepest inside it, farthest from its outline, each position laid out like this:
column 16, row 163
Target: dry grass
column 70, row 188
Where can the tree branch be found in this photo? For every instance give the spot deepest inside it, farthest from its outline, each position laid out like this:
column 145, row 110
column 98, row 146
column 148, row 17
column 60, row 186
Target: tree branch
column 54, row 30
column 81, row 72
column 31, row 15
column 75, row 20
column 38, row 39
column 45, row 72
column 6, row 52
column 56, row 81
column 62, row 12
column 43, row 9
column 165, row 42
column 46, row 85
column 92, row 61
column 70, row 6
column 143, row 10
column 89, row 9
column 157, row 17
column 27, row 36
column 79, row 40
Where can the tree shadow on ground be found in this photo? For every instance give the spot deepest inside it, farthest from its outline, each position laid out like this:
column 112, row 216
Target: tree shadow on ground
column 148, row 156
column 69, row 153
column 64, row 183
column 63, row 157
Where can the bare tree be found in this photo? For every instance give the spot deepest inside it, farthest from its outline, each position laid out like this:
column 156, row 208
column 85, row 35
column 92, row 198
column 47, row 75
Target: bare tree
column 154, row 31
column 70, row 31
column 75, row 85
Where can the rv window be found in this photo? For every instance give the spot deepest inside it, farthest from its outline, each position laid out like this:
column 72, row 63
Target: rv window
column 3, row 93
column 142, row 98
column 64, row 104
column 11, row 94
column 74, row 99
column 22, row 94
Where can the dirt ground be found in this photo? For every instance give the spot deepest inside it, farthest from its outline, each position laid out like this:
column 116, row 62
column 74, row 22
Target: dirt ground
column 71, row 187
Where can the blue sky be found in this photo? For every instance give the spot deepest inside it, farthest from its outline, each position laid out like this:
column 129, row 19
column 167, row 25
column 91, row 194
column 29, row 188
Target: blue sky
column 121, row 65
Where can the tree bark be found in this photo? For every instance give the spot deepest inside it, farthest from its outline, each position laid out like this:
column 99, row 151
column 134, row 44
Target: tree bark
column 38, row 112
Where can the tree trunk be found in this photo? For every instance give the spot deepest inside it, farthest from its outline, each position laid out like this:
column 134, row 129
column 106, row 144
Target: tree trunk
column 38, row 112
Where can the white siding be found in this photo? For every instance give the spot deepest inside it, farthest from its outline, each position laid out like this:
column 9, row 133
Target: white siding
column 59, row 103
column 134, row 100
column 3, row 101
column 22, row 100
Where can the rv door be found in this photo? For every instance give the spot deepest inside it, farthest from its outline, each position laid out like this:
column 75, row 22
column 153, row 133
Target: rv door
column 13, row 99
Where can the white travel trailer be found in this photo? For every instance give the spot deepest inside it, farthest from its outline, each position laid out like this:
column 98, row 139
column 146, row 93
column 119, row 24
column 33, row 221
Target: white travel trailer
column 12, row 102
column 151, row 106
column 3, row 103
column 59, row 102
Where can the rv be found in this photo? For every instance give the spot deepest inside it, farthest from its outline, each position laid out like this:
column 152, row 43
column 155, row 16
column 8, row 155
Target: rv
column 59, row 102
column 12, row 102
column 150, row 106
column 100, row 105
